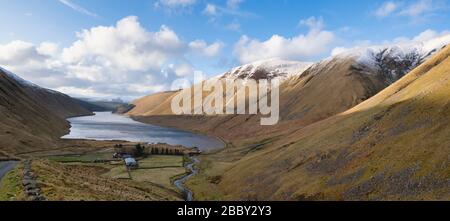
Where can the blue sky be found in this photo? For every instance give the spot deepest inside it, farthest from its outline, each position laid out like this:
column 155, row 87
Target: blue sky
column 207, row 35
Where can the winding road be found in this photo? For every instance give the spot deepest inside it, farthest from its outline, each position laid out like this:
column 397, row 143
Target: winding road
column 6, row 166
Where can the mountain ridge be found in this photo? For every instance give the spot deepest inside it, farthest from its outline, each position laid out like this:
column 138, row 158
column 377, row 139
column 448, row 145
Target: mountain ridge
column 393, row 146
column 32, row 117
column 326, row 88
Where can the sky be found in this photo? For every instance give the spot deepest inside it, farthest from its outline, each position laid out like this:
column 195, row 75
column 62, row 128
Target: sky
column 127, row 49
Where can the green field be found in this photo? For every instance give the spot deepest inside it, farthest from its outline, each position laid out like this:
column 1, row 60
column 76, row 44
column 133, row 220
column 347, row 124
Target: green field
column 11, row 186
column 159, row 161
column 155, row 169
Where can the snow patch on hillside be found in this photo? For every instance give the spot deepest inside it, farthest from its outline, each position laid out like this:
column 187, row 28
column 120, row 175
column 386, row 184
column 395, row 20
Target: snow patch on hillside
column 26, row 83
column 423, row 49
column 395, row 60
column 268, row 69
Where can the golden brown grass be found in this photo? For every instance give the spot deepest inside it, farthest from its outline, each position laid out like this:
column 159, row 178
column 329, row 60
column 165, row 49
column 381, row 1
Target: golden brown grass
column 85, row 182
column 394, row 146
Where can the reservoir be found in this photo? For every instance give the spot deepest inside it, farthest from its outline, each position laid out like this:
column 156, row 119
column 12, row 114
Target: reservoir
column 109, row 126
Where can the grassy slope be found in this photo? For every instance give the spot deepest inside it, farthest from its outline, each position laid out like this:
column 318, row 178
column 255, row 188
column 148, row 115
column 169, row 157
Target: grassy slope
column 30, row 118
column 11, row 186
column 393, row 146
column 304, row 99
column 86, row 182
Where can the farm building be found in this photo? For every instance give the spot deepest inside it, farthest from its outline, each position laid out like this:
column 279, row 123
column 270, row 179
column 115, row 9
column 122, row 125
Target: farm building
column 131, row 162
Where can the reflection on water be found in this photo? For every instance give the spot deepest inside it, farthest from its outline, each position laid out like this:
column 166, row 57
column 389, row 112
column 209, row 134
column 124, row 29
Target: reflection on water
column 108, row 126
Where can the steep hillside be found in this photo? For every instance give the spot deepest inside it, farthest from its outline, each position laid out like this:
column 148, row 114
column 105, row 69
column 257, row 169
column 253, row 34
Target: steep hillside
column 159, row 103
column 32, row 117
column 155, row 104
column 326, row 88
column 394, row 146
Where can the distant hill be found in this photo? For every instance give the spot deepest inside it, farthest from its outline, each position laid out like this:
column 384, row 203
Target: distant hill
column 32, row 117
column 100, row 105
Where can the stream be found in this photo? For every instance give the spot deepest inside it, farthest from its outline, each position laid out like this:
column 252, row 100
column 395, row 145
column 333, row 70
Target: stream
column 181, row 182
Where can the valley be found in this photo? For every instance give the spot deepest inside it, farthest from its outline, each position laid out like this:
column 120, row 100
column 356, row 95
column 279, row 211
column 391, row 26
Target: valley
column 367, row 124
column 369, row 139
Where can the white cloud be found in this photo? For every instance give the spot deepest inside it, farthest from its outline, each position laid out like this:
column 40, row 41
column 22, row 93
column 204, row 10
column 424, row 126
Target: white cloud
column 127, row 47
column 430, row 39
column 302, row 47
column 234, row 3
column 182, row 70
column 48, row 48
column 210, row 10
column 386, row 9
column 412, row 9
column 175, row 3
column 201, row 47
column 339, row 50
column 234, row 26
column 418, row 8
column 313, row 23
column 82, row 92
column 115, row 61
column 78, row 8
column 20, row 53
column 231, row 9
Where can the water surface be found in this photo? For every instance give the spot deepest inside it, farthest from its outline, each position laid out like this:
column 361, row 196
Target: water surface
column 108, row 126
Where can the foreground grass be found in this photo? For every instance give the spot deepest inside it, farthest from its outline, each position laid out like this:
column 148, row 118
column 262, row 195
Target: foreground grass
column 157, row 169
column 87, row 158
column 11, row 186
column 76, row 182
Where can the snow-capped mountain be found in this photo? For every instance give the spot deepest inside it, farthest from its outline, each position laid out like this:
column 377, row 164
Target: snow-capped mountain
column 395, row 60
column 268, row 69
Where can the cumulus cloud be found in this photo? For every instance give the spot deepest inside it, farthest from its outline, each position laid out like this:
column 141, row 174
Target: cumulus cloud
column 124, row 59
column 201, row 47
column 48, row 49
column 182, row 69
column 429, row 38
column 20, row 53
column 126, row 47
column 301, row 47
